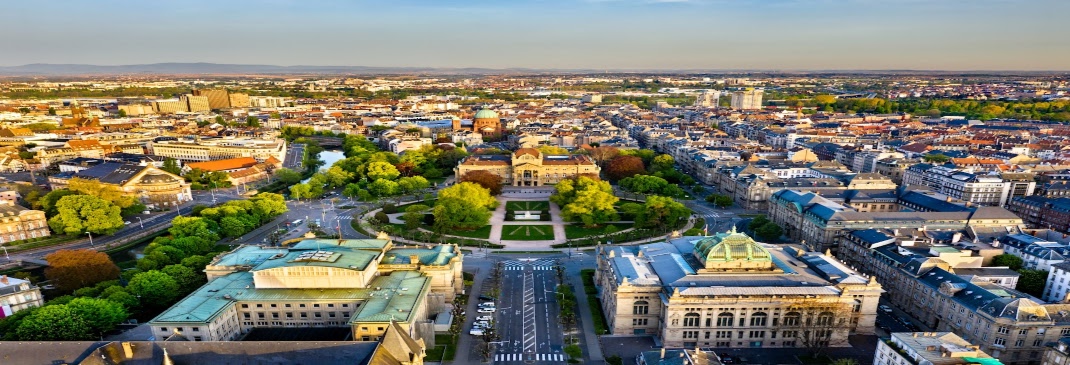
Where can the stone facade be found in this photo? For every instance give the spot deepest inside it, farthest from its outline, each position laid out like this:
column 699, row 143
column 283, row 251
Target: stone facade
column 529, row 167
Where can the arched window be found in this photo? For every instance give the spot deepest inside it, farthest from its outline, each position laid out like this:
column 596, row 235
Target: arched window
column 724, row 320
column 691, row 320
column 792, row 319
column 758, row 319
column 640, row 307
column 824, row 319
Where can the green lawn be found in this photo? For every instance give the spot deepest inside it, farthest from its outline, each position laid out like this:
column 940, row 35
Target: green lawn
column 483, row 232
column 527, row 205
column 579, row 231
column 528, row 232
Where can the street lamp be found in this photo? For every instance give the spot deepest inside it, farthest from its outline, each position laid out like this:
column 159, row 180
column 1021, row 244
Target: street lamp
column 90, row 237
column 140, row 223
column 5, row 253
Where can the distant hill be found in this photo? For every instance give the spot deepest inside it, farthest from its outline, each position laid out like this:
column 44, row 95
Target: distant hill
column 202, row 68
column 230, row 69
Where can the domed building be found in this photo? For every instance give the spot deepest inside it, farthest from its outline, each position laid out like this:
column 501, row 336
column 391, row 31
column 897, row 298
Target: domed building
column 485, row 122
column 152, row 186
column 729, row 291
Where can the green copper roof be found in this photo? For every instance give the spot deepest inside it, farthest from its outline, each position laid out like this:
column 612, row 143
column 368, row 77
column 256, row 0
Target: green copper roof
column 731, row 246
column 486, row 113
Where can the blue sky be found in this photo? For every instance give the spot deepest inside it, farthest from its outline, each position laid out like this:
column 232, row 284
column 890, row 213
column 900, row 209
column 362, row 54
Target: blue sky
column 546, row 34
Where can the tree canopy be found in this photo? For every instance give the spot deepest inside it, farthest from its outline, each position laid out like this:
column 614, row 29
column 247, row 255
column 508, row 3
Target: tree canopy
column 76, row 214
column 624, row 166
column 586, row 200
column 486, row 179
column 74, row 269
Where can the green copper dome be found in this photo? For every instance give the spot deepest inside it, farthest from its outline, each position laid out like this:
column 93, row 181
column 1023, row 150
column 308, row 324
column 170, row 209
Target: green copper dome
column 486, row 114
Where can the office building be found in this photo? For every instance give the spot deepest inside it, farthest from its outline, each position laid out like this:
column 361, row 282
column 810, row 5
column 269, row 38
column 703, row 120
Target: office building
column 207, row 149
column 708, row 98
column 169, row 106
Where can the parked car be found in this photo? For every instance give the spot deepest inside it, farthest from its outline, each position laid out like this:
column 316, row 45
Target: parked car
column 486, row 310
column 476, row 332
column 484, row 297
column 483, row 318
column 482, row 324
column 487, row 304
column 885, row 308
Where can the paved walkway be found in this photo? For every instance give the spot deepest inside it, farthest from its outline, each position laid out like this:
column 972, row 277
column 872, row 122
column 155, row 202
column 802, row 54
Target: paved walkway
column 498, row 223
column 590, row 338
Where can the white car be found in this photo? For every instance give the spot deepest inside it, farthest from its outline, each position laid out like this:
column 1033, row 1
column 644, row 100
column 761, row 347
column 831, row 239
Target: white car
column 476, row 332
column 482, row 324
column 885, row 308
column 487, row 304
column 483, row 318
column 486, row 310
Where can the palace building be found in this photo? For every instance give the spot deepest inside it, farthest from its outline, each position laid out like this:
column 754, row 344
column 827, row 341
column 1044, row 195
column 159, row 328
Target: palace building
column 728, row 291
column 365, row 285
column 529, row 167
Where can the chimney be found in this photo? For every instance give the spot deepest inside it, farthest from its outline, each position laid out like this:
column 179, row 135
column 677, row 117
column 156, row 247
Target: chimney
column 128, row 350
column 3, row 279
column 414, row 259
column 662, row 352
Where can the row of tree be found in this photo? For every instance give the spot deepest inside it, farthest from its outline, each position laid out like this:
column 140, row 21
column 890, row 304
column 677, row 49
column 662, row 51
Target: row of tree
column 1057, row 110
column 86, row 206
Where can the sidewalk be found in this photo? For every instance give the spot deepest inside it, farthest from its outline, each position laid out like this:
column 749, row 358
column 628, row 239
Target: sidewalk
column 590, row 339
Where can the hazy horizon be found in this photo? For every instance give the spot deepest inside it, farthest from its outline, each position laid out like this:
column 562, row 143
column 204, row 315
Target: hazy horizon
column 614, row 35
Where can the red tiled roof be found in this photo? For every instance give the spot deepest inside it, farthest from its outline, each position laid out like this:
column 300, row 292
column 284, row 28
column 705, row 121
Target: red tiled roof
column 222, row 165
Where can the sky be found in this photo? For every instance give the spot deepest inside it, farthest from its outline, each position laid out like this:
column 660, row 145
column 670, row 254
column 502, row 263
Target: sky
column 547, row 34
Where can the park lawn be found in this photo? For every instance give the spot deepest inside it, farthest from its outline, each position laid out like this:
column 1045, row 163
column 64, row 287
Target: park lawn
column 577, row 230
column 527, row 205
column 528, row 232
column 482, row 232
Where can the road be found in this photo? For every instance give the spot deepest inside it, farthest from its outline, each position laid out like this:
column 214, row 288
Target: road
column 331, row 220
column 528, row 314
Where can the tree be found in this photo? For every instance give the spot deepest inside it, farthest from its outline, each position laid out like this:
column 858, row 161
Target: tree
column 74, row 269
column 661, row 212
column 54, row 323
column 171, row 165
column 1032, row 281
column 1010, row 261
column 192, row 227
column 383, row 187
column 336, row 177
column 552, row 150
column 936, row 158
column 186, row 278
column 232, row 226
column 601, row 155
column 721, row 201
column 154, row 287
column 301, row 191
column 458, row 213
column 412, row 184
column 471, row 192
column 111, row 193
column 663, row 162
column 586, row 200
column 47, row 203
column 646, row 184
column 100, row 315
column 287, row 176
column 624, row 166
column 252, row 122
column 769, row 232
column 414, row 215
column 381, row 170
column 51, row 111
column 824, row 99
column 486, row 179
column 757, row 222
column 352, row 190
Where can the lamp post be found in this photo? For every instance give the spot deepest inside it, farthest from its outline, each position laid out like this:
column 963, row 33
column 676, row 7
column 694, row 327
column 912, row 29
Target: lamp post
column 140, row 222
column 90, row 237
column 5, row 253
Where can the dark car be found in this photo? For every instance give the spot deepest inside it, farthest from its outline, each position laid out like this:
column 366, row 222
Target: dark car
column 726, row 359
column 484, row 297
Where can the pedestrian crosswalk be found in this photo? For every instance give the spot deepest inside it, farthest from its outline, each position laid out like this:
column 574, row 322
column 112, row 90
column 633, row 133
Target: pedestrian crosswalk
column 536, row 268
column 529, row 357
column 535, row 265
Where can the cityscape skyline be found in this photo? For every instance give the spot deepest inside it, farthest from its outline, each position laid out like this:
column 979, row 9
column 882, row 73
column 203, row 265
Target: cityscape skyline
column 986, row 35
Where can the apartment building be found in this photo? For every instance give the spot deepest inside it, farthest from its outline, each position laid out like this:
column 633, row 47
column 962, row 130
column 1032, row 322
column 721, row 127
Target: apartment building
column 929, row 348
column 749, row 99
column 17, row 295
column 19, row 223
column 991, row 190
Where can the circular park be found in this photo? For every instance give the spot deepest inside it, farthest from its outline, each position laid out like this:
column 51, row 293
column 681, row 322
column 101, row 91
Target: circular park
column 577, row 212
